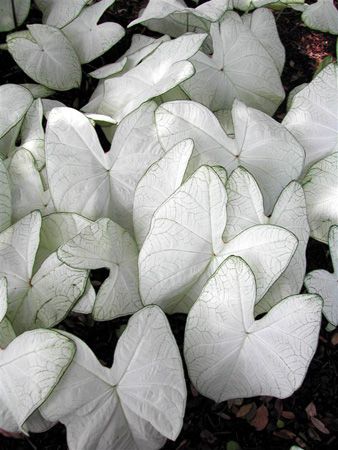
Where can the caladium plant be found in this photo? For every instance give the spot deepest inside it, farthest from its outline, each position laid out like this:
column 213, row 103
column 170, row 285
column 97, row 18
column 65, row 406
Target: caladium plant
column 195, row 200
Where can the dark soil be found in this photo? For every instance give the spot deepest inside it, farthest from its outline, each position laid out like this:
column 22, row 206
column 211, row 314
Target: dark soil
column 309, row 418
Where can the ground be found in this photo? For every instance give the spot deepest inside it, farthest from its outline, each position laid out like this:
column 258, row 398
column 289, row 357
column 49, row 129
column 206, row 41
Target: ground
column 308, row 418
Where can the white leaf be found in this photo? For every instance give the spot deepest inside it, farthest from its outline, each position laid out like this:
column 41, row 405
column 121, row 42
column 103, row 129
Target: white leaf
column 46, row 55
column 51, row 294
column 162, row 70
column 13, row 13
column 89, row 39
column 263, row 25
column 27, row 190
column 322, row 16
column 15, row 101
column 86, row 303
column 30, row 367
column 135, row 404
column 32, row 133
column 56, row 230
column 106, row 244
column 6, row 330
column 5, row 198
column 230, row 355
column 179, row 120
column 157, row 184
column 325, row 283
column 320, row 186
column 86, row 180
column 313, row 116
column 240, row 67
column 38, row 90
column 60, row 12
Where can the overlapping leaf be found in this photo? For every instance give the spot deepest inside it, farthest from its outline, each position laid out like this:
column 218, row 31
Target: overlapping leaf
column 161, row 71
column 39, row 299
column 106, row 244
column 184, row 246
column 60, row 12
column 245, row 209
column 6, row 330
column 261, row 145
column 322, row 16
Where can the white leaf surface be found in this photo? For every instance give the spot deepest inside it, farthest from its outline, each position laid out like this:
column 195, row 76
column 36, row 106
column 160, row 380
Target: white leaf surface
column 46, row 55
column 26, row 186
column 324, row 283
column 51, row 294
column 13, row 13
column 38, row 90
column 322, row 16
column 230, row 355
column 18, row 246
column 32, row 133
column 106, row 244
column 15, row 101
column 162, row 70
column 30, row 367
column 5, row 198
column 179, row 120
column 263, row 25
column 6, row 330
column 134, row 405
column 261, row 145
column 141, row 46
column 86, row 180
column 240, row 67
column 60, row 12
column 184, row 246
column 210, row 11
column 245, row 209
column 313, row 116
column 89, row 39
column 320, row 186
column 56, row 230
column 86, row 302
column 185, row 231
column 157, row 184
column 41, row 299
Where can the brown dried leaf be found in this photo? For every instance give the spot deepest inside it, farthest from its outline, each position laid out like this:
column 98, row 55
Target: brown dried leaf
column 284, row 434
column 261, row 418
column 244, row 410
column 334, row 339
column 311, row 410
column 288, row 415
column 319, row 425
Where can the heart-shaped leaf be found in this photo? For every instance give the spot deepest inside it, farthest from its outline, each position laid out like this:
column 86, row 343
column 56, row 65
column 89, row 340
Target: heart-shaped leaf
column 89, row 39
column 45, row 54
column 135, row 404
column 230, row 355
column 30, row 367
